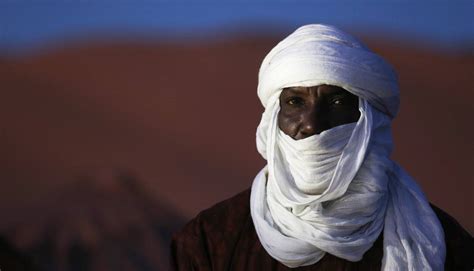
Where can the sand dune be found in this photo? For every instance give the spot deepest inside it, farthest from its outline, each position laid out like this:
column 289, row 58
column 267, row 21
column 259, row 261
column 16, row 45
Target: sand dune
column 182, row 118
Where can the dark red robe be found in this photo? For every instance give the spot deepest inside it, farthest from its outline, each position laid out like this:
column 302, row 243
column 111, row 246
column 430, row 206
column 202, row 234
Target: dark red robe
column 223, row 237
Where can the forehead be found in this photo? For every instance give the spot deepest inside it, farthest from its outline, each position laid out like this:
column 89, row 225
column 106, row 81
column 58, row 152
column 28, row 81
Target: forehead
column 319, row 90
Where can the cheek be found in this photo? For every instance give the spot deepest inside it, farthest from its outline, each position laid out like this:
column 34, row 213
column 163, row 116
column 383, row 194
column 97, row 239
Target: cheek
column 288, row 123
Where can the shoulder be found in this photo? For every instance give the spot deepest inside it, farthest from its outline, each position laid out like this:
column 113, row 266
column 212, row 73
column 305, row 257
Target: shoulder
column 213, row 231
column 459, row 243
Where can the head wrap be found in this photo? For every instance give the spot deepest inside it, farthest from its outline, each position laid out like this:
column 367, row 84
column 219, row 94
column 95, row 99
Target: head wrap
column 335, row 192
column 320, row 54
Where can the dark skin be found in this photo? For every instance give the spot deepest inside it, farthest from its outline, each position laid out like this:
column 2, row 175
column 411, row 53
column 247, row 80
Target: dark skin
column 305, row 111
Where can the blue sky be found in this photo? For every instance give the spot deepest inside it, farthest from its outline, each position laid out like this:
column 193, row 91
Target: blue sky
column 32, row 24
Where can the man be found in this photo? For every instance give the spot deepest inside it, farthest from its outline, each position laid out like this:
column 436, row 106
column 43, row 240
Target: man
column 329, row 198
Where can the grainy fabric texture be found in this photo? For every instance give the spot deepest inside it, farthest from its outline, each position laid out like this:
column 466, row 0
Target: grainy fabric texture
column 334, row 192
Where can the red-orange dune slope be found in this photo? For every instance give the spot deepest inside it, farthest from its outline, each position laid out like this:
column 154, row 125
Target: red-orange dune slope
column 183, row 117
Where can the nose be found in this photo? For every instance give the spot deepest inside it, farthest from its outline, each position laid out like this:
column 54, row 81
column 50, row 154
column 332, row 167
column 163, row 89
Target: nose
column 312, row 122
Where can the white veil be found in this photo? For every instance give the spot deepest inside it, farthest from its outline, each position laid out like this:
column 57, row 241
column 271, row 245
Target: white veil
column 337, row 191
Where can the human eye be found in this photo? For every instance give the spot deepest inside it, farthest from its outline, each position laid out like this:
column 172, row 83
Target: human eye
column 294, row 101
column 338, row 101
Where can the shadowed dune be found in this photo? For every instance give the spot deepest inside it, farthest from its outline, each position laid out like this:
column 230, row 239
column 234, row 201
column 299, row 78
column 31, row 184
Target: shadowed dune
column 12, row 259
column 183, row 117
column 101, row 222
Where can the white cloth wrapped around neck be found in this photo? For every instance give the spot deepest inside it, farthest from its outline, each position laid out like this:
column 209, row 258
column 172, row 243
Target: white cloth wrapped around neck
column 337, row 191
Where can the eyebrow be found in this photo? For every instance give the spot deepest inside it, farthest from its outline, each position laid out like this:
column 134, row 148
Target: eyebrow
column 301, row 90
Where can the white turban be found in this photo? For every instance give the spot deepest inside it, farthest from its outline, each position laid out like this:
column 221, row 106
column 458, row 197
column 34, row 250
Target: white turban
column 337, row 191
column 320, row 54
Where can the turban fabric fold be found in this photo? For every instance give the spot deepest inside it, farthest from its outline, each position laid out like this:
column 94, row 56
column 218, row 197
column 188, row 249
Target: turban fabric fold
column 337, row 191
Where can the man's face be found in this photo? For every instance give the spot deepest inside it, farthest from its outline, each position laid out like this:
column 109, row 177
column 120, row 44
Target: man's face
column 305, row 111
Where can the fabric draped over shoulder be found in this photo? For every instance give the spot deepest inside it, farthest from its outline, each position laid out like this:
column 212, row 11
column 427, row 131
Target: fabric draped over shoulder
column 307, row 202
